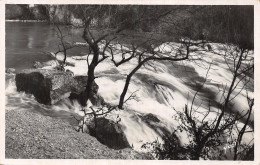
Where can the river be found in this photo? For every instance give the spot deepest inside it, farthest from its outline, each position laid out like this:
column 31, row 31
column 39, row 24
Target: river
column 160, row 91
column 27, row 42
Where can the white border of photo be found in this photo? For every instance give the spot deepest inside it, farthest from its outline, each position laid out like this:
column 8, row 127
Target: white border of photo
column 256, row 4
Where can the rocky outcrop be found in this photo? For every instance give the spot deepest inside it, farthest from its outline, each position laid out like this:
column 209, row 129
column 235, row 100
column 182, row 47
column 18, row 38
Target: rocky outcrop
column 150, row 118
column 50, row 86
column 78, row 91
column 109, row 133
column 156, row 124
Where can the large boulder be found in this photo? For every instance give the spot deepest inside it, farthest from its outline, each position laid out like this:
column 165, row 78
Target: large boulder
column 78, row 91
column 48, row 86
column 108, row 133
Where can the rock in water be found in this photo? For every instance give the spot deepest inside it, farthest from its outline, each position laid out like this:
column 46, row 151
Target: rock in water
column 50, row 64
column 37, row 64
column 9, row 70
column 109, row 133
column 48, row 86
column 156, row 124
column 78, row 91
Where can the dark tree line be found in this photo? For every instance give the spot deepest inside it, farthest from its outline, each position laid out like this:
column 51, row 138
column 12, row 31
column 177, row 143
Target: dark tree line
column 25, row 12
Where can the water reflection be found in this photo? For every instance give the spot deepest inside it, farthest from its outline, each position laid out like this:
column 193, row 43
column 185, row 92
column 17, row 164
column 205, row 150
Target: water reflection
column 30, row 43
column 26, row 42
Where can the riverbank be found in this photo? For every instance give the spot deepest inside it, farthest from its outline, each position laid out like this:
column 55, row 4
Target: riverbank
column 26, row 20
column 33, row 136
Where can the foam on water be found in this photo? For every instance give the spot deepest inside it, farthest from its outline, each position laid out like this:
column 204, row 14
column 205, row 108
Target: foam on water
column 158, row 91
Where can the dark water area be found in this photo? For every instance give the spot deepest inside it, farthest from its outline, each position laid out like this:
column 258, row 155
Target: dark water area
column 27, row 42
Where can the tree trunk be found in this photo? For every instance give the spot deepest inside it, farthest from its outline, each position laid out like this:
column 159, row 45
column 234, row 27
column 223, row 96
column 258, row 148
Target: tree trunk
column 128, row 79
column 91, row 68
column 140, row 64
column 122, row 96
column 91, row 77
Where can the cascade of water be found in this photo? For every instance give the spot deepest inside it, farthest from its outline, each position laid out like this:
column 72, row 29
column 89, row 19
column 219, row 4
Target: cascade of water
column 158, row 92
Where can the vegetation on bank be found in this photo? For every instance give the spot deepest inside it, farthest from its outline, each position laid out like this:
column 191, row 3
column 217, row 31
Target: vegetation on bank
column 26, row 12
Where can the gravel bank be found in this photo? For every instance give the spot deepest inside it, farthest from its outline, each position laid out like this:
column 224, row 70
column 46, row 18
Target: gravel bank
column 34, row 136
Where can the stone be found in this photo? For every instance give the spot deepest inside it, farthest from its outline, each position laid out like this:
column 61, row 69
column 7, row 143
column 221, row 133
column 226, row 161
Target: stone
column 209, row 47
column 10, row 70
column 50, row 86
column 96, row 100
column 109, row 133
column 47, row 86
column 37, row 64
column 156, row 124
column 51, row 64
column 78, row 91
column 150, row 117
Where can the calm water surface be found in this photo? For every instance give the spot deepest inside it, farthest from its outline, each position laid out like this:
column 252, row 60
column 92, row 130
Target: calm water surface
column 26, row 42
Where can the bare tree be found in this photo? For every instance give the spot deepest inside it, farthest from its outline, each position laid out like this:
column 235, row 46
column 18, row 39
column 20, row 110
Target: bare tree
column 150, row 55
column 242, row 131
column 103, row 25
column 207, row 135
column 92, row 13
column 96, row 112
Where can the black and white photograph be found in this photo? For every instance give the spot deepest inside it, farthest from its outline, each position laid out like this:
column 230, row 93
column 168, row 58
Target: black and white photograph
column 129, row 82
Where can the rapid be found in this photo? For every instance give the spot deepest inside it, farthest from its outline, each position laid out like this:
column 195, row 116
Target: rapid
column 162, row 89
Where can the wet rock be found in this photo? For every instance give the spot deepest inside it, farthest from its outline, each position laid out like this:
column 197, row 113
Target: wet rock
column 51, row 63
column 82, row 127
column 156, row 124
column 96, row 100
column 48, row 86
column 208, row 46
column 9, row 76
column 109, row 133
column 150, row 117
column 78, row 91
column 9, row 70
column 37, row 65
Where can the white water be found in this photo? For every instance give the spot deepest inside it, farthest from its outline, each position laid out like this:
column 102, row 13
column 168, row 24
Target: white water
column 158, row 92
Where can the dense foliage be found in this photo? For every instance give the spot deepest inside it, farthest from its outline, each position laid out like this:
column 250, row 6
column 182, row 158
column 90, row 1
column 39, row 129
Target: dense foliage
column 215, row 23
